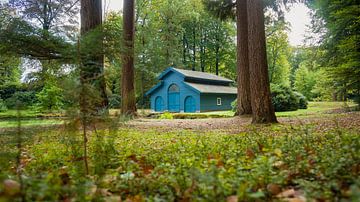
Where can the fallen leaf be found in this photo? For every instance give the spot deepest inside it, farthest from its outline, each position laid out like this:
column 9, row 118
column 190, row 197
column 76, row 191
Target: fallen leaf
column 11, row 187
column 286, row 194
column 233, row 198
column 274, row 189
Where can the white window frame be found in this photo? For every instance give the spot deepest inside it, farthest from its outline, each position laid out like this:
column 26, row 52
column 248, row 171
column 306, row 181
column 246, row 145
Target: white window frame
column 218, row 101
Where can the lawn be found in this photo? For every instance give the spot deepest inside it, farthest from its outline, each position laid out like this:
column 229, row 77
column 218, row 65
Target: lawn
column 30, row 122
column 32, row 118
column 314, row 108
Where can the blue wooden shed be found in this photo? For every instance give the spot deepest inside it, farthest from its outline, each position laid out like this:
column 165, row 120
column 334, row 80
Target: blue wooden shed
column 182, row 90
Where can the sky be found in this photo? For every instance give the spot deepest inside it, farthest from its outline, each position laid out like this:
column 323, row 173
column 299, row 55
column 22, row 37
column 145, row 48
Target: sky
column 298, row 17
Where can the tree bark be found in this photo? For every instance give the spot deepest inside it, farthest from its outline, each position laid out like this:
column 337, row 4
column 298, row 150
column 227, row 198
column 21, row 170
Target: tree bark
column 92, row 68
column 243, row 75
column 128, row 104
column 262, row 108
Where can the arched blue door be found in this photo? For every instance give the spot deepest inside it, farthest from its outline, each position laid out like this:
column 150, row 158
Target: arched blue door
column 159, row 104
column 190, row 104
column 174, row 98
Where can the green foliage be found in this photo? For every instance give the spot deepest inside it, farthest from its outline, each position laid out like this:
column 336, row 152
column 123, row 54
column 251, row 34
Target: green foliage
column 283, row 98
column 166, row 115
column 305, row 82
column 169, row 166
column 278, row 52
column 50, row 97
column 115, row 101
column 22, row 99
column 302, row 101
column 2, row 106
column 234, row 106
column 338, row 23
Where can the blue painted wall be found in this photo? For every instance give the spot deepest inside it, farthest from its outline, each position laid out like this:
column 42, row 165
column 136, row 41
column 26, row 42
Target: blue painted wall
column 209, row 102
column 178, row 79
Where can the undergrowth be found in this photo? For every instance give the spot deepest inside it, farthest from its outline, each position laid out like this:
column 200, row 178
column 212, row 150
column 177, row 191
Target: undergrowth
column 184, row 166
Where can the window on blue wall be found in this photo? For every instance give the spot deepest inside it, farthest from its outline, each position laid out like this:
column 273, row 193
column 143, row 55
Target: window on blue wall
column 174, row 88
column 218, row 101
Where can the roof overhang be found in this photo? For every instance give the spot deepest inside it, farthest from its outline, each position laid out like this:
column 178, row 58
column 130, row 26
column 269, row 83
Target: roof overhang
column 154, row 88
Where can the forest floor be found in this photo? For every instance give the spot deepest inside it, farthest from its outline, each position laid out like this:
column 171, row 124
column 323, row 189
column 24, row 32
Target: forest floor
column 311, row 155
column 348, row 120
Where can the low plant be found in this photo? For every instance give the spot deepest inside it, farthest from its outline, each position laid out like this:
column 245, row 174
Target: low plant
column 166, row 115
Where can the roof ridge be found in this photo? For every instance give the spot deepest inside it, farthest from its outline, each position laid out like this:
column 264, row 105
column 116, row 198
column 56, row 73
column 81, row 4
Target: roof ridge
column 215, row 77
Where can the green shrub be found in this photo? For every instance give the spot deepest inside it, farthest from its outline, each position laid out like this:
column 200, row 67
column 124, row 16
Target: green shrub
column 50, row 98
column 21, row 99
column 2, row 106
column 283, row 98
column 303, row 103
column 115, row 101
column 166, row 115
column 234, row 105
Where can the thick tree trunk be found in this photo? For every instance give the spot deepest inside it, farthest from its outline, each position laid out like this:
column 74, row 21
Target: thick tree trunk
column 262, row 108
column 128, row 104
column 243, row 75
column 92, row 69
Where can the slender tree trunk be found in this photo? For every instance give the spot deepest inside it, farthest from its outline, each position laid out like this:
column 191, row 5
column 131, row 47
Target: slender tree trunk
column 217, row 51
column 92, row 68
column 128, row 104
column 243, row 75
column 202, row 50
column 194, row 49
column 184, row 49
column 217, row 60
column 262, row 108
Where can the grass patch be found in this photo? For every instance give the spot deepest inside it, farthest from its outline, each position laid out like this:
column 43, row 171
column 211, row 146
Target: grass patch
column 12, row 114
column 30, row 122
column 315, row 108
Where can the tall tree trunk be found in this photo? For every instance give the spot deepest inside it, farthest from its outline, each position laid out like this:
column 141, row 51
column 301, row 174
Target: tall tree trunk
column 243, row 75
column 262, row 108
column 128, row 104
column 92, row 68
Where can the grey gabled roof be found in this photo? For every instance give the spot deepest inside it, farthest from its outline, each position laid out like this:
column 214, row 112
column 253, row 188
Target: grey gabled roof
column 206, row 88
column 201, row 75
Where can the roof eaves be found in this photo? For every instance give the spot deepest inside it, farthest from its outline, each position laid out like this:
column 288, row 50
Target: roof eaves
column 191, row 87
column 154, row 88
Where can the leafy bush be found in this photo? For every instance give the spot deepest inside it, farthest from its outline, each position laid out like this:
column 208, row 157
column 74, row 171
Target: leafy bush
column 283, row 98
column 303, row 103
column 50, row 98
column 21, row 99
column 115, row 101
column 234, row 105
column 166, row 115
column 2, row 106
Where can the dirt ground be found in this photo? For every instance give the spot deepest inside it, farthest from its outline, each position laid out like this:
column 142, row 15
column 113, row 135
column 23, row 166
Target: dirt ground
column 349, row 120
